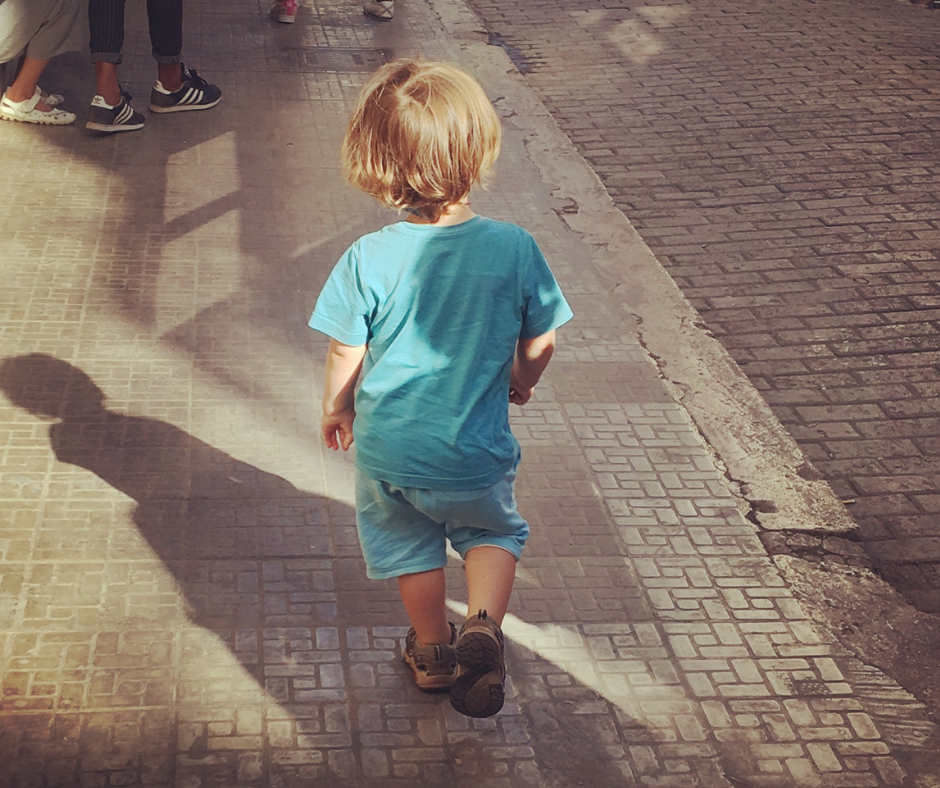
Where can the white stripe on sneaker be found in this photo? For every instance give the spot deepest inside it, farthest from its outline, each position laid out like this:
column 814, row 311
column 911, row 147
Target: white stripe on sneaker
column 125, row 114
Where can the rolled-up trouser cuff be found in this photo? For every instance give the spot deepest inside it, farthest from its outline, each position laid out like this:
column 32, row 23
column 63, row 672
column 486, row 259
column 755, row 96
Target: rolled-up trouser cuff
column 107, row 57
column 166, row 58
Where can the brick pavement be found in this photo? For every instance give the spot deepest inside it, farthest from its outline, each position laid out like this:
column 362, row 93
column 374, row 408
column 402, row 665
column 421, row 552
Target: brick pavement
column 182, row 601
column 780, row 159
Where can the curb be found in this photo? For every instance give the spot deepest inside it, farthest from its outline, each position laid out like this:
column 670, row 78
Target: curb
column 777, row 487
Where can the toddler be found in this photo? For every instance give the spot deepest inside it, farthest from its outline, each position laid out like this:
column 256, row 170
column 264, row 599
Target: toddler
column 442, row 320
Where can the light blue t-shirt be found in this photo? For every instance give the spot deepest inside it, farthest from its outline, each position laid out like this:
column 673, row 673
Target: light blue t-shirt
column 441, row 310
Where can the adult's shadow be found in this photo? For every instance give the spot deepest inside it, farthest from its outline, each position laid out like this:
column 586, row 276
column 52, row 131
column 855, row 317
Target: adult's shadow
column 252, row 552
column 247, row 547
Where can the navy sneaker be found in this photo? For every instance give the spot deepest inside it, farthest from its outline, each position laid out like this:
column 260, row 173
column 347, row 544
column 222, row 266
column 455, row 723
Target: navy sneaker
column 104, row 118
column 195, row 93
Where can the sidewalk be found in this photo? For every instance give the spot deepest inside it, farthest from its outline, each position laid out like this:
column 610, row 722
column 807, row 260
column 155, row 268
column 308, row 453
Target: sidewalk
column 182, row 601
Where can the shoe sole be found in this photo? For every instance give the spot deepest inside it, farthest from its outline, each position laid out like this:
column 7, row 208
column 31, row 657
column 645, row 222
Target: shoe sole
column 287, row 20
column 183, row 107
column 14, row 119
column 478, row 690
column 105, row 128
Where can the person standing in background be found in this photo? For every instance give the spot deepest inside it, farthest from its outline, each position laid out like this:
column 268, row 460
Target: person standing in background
column 176, row 89
column 285, row 11
column 32, row 32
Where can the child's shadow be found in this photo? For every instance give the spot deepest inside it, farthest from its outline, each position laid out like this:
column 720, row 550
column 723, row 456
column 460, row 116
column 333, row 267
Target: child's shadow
column 220, row 525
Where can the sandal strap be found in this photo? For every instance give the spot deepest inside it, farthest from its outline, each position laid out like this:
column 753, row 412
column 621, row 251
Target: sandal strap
column 23, row 107
column 53, row 99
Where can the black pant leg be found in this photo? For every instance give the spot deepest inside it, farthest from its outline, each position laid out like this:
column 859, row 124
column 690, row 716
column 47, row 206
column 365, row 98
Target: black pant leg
column 106, row 30
column 166, row 29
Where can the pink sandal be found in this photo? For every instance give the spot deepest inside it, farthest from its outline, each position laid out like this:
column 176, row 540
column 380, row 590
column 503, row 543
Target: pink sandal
column 285, row 11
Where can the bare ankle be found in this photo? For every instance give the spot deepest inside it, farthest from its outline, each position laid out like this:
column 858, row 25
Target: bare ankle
column 170, row 77
column 111, row 97
column 18, row 96
column 438, row 638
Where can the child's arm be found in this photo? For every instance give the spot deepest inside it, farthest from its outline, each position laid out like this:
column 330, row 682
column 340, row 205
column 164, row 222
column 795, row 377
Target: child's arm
column 532, row 356
column 343, row 363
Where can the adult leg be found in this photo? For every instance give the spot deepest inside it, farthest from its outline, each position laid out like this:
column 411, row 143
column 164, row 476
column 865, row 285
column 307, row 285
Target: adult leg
column 23, row 100
column 106, row 79
column 32, row 32
column 106, row 31
column 57, row 33
column 27, row 80
column 177, row 88
column 20, row 21
column 8, row 72
column 110, row 109
column 165, row 18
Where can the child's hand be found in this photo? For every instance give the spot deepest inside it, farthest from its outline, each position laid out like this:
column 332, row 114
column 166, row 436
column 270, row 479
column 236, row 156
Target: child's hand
column 519, row 396
column 337, row 430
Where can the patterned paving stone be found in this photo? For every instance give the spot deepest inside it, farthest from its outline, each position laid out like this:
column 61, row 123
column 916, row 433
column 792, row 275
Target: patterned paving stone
column 791, row 200
column 182, row 599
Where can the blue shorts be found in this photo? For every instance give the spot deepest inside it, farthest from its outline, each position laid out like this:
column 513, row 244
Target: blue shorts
column 404, row 530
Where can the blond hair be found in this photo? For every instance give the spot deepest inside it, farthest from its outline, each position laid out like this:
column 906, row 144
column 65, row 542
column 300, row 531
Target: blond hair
column 421, row 135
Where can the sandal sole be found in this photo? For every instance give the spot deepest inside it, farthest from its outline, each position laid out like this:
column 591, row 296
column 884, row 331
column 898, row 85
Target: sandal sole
column 14, row 119
column 478, row 691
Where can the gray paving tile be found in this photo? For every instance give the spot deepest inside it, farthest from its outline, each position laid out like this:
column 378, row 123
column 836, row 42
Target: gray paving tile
column 182, row 600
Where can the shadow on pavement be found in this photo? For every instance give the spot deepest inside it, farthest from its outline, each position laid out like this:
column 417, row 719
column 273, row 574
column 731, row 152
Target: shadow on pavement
column 193, row 500
column 291, row 643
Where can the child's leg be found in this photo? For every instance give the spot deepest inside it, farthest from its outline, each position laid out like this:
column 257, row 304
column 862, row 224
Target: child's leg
column 490, row 574
column 478, row 689
column 429, row 650
column 424, row 596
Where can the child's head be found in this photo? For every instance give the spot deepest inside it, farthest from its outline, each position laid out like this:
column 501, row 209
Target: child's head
column 421, row 135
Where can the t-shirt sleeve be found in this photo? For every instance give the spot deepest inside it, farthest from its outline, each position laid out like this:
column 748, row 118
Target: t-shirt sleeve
column 342, row 310
column 544, row 306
